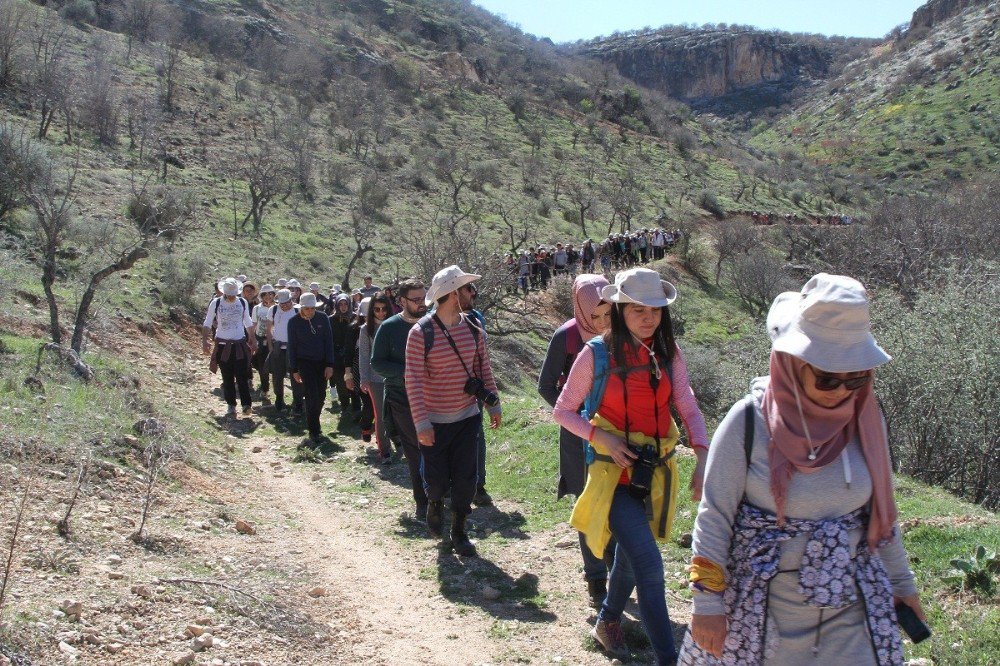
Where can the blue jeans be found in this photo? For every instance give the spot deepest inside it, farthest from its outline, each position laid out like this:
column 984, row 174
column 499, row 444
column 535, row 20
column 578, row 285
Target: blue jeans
column 636, row 547
column 596, row 568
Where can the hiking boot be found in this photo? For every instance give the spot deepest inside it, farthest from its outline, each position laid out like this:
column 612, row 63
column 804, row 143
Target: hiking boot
column 366, row 435
column 297, row 410
column 459, row 539
column 247, row 410
column 598, row 591
column 280, row 407
column 482, row 498
column 231, row 412
column 435, row 517
column 386, row 457
column 420, row 513
column 611, row 639
column 265, row 401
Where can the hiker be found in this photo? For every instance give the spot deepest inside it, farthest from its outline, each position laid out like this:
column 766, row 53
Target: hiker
column 572, row 261
column 311, row 359
column 627, row 380
column 249, row 293
column 261, row 316
column 588, row 254
column 340, row 322
column 481, row 498
column 296, row 290
column 235, row 343
column 592, row 317
column 394, row 306
column 376, row 310
column 369, row 289
column 277, row 359
column 321, row 301
column 389, row 360
column 559, row 260
column 800, row 469
column 525, row 263
column 448, row 374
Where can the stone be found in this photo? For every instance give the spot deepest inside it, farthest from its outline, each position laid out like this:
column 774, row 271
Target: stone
column 202, row 642
column 114, row 648
column 567, row 543
column 113, row 560
column 68, row 649
column 195, row 630
column 257, row 448
column 489, row 593
column 243, row 527
column 684, row 540
column 72, row 609
column 316, row 476
column 143, row 591
column 186, row 658
column 920, row 661
column 317, row 592
column 115, row 575
column 204, row 621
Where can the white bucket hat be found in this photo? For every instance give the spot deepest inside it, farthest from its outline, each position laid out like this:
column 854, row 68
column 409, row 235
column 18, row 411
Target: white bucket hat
column 230, row 287
column 282, row 282
column 364, row 305
column 314, row 286
column 307, row 301
column 293, row 284
column 446, row 281
column 267, row 289
column 241, row 278
column 642, row 286
column 283, row 296
column 827, row 325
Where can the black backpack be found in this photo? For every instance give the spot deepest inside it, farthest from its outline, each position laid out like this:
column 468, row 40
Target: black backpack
column 426, row 325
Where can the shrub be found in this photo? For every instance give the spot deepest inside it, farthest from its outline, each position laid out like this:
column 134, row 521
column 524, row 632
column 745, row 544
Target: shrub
column 978, row 573
column 758, row 277
column 182, row 282
column 709, row 201
column 79, row 11
column 941, row 394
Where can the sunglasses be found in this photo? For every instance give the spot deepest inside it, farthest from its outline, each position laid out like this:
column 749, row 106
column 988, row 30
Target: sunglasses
column 826, row 382
column 381, row 309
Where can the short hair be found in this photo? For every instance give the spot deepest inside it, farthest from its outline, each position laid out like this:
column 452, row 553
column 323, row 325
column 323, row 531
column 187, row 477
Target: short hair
column 367, row 277
column 408, row 285
column 442, row 299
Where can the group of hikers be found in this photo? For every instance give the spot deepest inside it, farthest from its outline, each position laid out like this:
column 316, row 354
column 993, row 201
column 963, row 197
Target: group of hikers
column 796, row 554
column 536, row 267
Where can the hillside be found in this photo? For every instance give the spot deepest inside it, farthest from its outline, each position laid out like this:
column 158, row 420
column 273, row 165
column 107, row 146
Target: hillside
column 730, row 70
column 920, row 111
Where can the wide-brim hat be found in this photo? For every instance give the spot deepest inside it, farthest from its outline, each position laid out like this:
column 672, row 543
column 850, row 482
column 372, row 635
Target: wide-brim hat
column 314, row 286
column 307, row 301
column 446, row 281
column 283, row 296
column 230, row 287
column 293, row 284
column 267, row 289
column 827, row 325
column 642, row 286
column 249, row 283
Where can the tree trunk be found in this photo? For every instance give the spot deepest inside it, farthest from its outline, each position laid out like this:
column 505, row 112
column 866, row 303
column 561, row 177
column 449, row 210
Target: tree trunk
column 124, row 263
column 360, row 252
column 48, row 279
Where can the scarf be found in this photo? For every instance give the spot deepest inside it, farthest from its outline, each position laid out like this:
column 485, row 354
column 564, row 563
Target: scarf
column 829, row 431
column 586, row 297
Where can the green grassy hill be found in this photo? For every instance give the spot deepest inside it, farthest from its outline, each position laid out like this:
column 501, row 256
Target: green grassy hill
column 917, row 112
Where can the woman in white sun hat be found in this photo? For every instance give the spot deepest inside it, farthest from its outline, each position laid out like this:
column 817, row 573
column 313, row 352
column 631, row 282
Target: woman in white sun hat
column 797, row 554
column 627, row 380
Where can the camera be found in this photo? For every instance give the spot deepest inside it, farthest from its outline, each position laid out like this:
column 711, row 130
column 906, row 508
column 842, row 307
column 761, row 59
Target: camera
column 642, row 470
column 474, row 386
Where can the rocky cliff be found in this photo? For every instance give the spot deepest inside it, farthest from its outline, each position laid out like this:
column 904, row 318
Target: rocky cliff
column 710, row 67
column 936, row 11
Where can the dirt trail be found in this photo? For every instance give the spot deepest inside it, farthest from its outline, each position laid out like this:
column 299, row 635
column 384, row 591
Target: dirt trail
column 393, row 595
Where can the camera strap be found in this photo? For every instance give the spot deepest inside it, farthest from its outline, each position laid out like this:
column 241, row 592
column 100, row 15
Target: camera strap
column 454, row 347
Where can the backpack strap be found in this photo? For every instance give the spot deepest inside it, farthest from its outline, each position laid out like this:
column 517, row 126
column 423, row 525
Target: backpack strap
column 601, row 365
column 426, row 324
column 748, row 431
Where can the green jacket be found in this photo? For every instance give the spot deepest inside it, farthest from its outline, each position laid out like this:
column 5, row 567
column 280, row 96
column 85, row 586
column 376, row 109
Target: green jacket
column 389, row 354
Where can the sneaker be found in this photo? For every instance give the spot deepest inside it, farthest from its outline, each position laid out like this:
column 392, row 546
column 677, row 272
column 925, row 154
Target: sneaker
column 435, row 518
column 247, row 410
column 598, row 591
column 482, row 498
column 611, row 639
column 231, row 412
column 366, row 435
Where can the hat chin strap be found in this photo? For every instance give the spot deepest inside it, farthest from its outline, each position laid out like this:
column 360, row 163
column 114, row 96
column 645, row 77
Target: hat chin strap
column 802, row 417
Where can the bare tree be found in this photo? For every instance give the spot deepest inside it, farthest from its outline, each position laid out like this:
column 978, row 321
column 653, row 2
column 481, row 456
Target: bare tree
column 583, row 197
column 13, row 14
column 758, row 277
column 267, row 176
column 518, row 222
column 168, row 70
column 99, row 109
column 367, row 215
column 20, row 515
column 157, row 454
column 138, row 19
column 142, row 122
column 51, row 79
column 731, row 239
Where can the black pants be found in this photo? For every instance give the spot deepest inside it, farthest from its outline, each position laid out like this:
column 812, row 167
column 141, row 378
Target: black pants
column 259, row 361
column 367, row 420
column 397, row 410
column 278, row 364
column 235, row 377
column 452, row 461
column 481, row 455
column 314, row 390
column 337, row 382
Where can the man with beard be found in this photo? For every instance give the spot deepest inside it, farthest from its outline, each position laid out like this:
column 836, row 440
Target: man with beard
column 448, row 377
column 389, row 360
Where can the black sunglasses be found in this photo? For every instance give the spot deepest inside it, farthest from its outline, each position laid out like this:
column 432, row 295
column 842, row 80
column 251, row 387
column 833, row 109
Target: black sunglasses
column 826, row 382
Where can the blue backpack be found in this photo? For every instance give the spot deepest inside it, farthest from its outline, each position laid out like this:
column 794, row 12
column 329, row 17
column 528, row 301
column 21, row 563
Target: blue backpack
column 602, row 370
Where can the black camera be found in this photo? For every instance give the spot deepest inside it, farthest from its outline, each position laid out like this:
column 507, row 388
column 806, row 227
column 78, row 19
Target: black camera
column 475, row 387
column 642, row 470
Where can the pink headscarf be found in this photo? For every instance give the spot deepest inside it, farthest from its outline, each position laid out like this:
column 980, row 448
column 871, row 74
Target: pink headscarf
column 586, row 297
column 830, row 429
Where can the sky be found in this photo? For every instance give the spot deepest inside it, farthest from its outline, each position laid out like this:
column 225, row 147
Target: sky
column 569, row 20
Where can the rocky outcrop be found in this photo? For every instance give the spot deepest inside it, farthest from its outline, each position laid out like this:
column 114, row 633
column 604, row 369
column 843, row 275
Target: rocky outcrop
column 937, row 11
column 698, row 65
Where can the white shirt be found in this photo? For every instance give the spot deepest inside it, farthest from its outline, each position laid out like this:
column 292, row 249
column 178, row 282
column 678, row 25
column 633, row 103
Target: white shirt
column 231, row 320
column 260, row 316
column 281, row 319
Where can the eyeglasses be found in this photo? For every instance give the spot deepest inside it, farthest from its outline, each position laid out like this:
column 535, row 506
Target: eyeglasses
column 380, row 309
column 471, row 288
column 826, row 382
